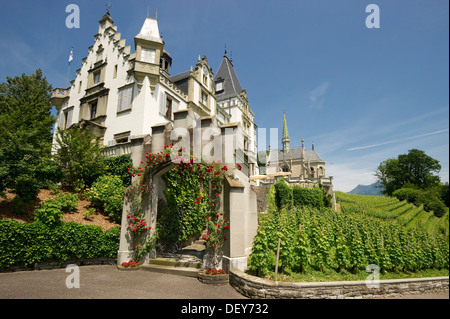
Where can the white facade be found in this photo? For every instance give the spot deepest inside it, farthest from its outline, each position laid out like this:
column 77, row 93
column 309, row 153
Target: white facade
column 118, row 94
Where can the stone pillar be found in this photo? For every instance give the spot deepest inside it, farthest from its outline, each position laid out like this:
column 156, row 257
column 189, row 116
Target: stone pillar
column 240, row 208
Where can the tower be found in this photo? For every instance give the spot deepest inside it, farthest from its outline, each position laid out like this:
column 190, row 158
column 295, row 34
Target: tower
column 149, row 52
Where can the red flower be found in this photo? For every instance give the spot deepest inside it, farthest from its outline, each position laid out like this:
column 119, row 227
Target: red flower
column 224, row 168
column 217, row 194
column 239, row 166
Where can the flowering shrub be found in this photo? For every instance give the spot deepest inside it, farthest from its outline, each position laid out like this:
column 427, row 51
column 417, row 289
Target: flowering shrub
column 137, row 225
column 131, row 263
column 193, row 196
column 214, row 271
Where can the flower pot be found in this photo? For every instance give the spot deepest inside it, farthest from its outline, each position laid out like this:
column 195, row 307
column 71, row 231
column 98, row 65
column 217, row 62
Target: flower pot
column 213, row 279
column 129, row 266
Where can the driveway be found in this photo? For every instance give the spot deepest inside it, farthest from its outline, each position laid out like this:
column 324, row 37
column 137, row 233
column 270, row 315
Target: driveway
column 107, row 282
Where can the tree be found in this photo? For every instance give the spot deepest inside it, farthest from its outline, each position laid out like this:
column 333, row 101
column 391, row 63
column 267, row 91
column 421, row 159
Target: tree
column 415, row 168
column 79, row 154
column 25, row 132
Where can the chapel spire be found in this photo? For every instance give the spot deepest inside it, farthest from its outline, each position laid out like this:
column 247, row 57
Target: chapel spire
column 285, row 139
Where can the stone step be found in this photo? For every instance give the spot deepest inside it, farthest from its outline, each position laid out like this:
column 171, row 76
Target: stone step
column 179, row 271
column 187, row 262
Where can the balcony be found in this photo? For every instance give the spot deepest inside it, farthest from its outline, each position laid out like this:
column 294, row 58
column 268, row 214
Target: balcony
column 59, row 95
column 117, row 150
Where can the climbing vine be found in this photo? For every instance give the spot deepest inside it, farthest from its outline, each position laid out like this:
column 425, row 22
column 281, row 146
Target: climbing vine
column 193, row 193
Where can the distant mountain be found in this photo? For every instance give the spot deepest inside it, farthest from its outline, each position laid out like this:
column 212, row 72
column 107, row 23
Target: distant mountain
column 372, row 189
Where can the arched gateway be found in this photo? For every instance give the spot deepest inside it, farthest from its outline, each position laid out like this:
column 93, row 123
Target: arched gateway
column 238, row 201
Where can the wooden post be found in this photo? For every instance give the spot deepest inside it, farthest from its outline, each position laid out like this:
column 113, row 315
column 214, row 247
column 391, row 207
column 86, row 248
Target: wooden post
column 278, row 257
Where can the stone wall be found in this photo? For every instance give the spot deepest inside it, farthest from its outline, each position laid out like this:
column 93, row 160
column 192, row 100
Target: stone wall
column 255, row 287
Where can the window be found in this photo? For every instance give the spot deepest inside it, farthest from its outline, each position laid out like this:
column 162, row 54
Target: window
column 219, row 86
column 168, row 113
column 168, row 105
column 125, row 98
column 147, row 55
column 99, row 55
column 115, row 72
column 79, row 86
column 97, row 78
column 93, row 110
column 122, row 138
column 67, row 118
column 204, row 98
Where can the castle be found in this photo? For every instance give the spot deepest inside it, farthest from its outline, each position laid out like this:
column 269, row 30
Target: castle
column 119, row 95
column 133, row 105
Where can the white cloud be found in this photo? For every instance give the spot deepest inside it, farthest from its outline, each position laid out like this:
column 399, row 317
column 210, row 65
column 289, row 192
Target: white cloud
column 346, row 176
column 397, row 140
column 316, row 96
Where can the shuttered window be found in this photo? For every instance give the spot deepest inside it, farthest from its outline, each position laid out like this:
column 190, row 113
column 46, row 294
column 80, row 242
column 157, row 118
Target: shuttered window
column 125, row 98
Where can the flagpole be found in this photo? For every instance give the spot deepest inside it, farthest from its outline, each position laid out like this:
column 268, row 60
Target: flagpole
column 68, row 68
column 67, row 77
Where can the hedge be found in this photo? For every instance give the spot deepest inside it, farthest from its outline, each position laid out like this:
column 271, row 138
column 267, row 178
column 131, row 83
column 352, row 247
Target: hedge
column 428, row 198
column 25, row 245
column 308, row 197
column 283, row 194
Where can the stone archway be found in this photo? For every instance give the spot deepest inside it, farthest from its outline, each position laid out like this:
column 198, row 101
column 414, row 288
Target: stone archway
column 239, row 200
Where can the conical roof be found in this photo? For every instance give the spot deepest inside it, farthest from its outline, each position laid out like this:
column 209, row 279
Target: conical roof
column 227, row 74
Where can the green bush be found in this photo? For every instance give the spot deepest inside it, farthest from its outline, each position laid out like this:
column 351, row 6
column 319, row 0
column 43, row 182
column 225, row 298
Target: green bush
column 107, row 192
column 27, row 244
column 26, row 187
column 313, row 197
column 283, row 194
column 433, row 203
column 48, row 173
column 119, row 165
column 411, row 195
column 51, row 211
column 429, row 198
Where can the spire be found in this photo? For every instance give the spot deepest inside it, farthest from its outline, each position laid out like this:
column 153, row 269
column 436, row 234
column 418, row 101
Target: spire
column 303, row 148
column 313, row 146
column 285, row 139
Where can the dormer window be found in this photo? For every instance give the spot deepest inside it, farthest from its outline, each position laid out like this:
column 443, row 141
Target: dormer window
column 219, row 86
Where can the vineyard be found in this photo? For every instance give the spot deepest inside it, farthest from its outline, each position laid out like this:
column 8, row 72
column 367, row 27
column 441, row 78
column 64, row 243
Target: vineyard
column 390, row 209
column 395, row 236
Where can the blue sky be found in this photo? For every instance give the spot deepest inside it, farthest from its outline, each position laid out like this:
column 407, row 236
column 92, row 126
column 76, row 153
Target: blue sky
column 361, row 95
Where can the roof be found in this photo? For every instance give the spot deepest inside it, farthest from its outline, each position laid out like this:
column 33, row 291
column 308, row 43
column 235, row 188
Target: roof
column 296, row 153
column 150, row 31
column 226, row 72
